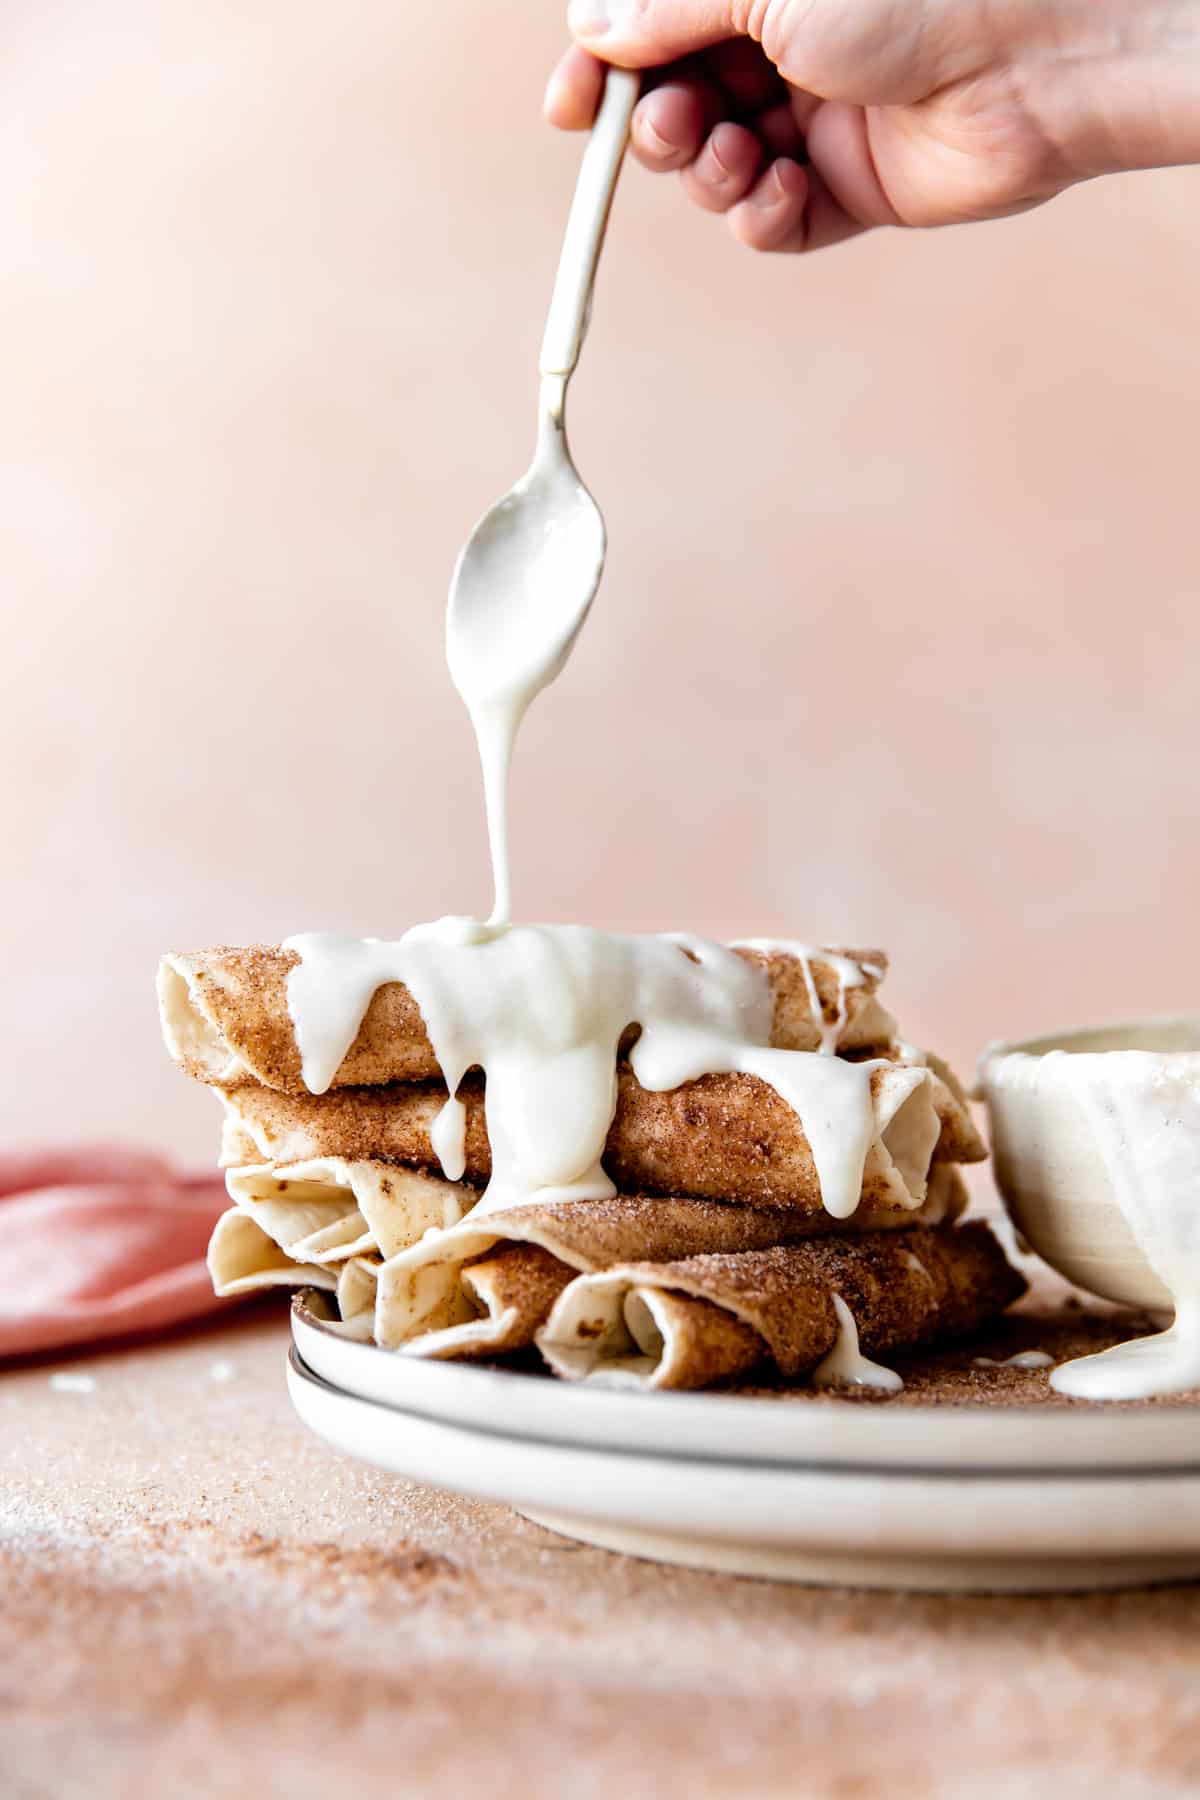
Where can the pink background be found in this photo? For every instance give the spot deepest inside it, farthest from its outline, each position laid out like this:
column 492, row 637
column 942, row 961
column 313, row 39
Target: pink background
column 896, row 642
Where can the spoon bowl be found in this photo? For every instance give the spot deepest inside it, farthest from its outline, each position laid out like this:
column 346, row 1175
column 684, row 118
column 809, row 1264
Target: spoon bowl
column 526, row 577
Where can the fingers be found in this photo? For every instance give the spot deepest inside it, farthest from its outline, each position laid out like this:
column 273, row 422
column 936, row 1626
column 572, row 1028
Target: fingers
column 840, row 145
column 745, row 74
column 725, row 170
column 641, row 33
column 781, row 134
column 790, row 172
column 771, row 217
column 573, row 91
column 790, row 210
column 671, row 124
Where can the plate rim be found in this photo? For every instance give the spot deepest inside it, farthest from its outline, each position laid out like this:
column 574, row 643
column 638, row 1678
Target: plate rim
column 966, row 1439
column 807, row 1466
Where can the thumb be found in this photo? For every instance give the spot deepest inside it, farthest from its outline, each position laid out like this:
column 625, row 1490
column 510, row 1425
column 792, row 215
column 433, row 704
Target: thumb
column 639, row 34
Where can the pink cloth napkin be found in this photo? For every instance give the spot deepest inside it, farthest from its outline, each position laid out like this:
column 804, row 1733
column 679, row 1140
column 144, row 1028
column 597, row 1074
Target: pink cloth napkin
column 97, row 1242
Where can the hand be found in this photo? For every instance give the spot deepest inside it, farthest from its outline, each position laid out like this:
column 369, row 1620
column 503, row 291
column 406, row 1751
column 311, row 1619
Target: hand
column 808, row 121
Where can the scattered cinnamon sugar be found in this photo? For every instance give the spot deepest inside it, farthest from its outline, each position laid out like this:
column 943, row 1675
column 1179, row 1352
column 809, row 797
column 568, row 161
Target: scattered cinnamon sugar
column 199, row 1598
column 411, row 1566
column 948, row 1377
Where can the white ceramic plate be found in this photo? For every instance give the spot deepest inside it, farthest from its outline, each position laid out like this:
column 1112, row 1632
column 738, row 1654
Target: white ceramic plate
column 888, row 1525
column 828, row 1433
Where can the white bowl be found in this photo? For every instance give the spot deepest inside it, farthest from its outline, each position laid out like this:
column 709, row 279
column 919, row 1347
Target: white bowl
column 1080, row 1124
column 1096, row 1138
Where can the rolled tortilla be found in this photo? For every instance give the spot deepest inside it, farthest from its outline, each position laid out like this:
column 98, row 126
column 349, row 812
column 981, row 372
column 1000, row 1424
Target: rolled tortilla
column 225, row 1016
column 327, row 1210
column 512, row 1292
column 724, row 1137
column 961, row 1140
column 357, row 1283
column 696, row 1321
column 673, row 1340
column 427, row 1295
column 733, row 1137
column 243, row 1259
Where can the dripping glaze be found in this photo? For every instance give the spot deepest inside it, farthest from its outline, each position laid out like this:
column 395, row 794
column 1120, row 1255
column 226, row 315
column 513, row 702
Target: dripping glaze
column 541, row 1009
column 846, row 1366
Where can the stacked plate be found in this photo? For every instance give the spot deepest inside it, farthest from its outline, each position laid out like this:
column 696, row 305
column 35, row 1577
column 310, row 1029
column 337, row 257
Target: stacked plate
column 836, row 1492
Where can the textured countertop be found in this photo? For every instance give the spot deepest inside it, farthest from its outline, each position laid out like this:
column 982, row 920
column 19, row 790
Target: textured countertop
column 200, row 1599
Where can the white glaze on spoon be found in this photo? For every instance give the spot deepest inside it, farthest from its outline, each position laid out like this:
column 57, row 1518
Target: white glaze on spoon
column 521, row 591
column 846, row 1366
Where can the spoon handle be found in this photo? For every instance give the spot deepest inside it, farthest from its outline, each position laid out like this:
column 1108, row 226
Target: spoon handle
column 569, row 307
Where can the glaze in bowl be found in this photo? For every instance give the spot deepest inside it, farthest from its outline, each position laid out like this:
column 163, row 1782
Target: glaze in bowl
column 1096, row 1141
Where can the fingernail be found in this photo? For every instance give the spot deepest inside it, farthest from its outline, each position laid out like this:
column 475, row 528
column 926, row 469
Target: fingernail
column 720, row 168
column 781, row 183
column 588, row 18
column 653, row 138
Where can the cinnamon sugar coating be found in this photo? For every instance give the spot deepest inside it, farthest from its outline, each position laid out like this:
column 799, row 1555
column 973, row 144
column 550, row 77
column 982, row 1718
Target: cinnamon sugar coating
column 904, row 1288
column 723, row 1137
column 227, row 1021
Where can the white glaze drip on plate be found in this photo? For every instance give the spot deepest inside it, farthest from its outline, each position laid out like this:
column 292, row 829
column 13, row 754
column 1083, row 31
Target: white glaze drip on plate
column 846, row 1366
column 1166, row 1363
column 1024, row 1359
column 541, row 1009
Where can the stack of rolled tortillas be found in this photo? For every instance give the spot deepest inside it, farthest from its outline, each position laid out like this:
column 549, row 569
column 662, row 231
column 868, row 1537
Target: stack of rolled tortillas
column 715, row 1259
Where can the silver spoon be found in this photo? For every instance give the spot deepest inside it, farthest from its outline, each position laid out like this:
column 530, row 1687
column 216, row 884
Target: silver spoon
column 525, row 580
